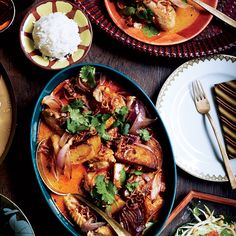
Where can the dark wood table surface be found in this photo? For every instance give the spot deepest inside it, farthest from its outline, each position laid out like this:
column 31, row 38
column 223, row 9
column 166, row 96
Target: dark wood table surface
column 17, row 179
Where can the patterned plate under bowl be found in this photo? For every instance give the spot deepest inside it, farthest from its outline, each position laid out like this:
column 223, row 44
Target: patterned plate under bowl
column 12, row 219
column 216, row 38
column 43, row 9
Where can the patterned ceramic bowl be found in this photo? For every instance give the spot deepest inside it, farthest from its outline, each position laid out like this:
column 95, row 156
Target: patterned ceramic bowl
column 43, row 9
column 12, row 220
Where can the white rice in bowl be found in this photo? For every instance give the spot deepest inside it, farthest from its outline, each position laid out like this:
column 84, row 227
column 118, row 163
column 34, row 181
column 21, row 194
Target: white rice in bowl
column 56, row 36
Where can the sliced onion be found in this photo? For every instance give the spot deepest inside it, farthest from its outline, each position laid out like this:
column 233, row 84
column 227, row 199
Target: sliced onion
column 64, row 139
column 82, row 86
column 156, row 186
column 102, row 79
column 90, row 226
column 141, row 121
column 135, row 108
column 61, row 157
column 52, row 102
column 59, row 88
column 180, row 3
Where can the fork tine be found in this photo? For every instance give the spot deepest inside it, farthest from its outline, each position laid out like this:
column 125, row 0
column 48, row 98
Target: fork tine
column 201, row 90
column 194, row 91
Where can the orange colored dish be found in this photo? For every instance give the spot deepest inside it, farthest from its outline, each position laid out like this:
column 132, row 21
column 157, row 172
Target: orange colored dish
column 96, row 139
column 189, row 21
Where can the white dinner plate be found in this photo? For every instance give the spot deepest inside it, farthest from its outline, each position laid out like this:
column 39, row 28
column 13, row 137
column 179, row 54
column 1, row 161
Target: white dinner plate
column 194, row 144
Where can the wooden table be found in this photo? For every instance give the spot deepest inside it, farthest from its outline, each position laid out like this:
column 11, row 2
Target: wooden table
column 17, row 179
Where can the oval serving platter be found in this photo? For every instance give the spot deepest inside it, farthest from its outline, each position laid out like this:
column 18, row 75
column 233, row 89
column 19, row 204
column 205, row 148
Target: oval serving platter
column 168, row 165
column 43, row 9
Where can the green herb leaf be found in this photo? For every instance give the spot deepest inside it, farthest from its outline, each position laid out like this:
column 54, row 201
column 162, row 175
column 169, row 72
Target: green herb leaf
column 106, row 190
column 87, row 74
column 122, row 176
column 144, row 134
column 226, row 232
column 125, row 129
column 144, row 14
column 102, row 132
column 128, row 11
column 137, row 172
column 121, row 113
column 196, row 211
column 132, row 186
column 76, row 104
column 150, row 31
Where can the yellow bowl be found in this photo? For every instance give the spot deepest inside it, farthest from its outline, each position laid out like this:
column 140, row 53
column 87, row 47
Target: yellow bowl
column 44, row 9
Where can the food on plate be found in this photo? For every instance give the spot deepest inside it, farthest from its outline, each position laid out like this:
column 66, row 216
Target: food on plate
column 97, row 139
column 56, row 36
column 160, row 14
column 5, row 116
column 206, row 223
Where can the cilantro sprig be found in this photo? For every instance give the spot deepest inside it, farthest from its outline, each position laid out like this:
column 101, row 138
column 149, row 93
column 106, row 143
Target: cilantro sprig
column 131, row 186
column 144, row 134
column 87, row 74
column 104, row 190
column 120, row 116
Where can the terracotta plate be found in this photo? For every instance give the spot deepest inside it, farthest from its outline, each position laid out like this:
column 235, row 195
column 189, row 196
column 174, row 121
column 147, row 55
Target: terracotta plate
column 215, row 38
column 43, row 9
column 189, row 23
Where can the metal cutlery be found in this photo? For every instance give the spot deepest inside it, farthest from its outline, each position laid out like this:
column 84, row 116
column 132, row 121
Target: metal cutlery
column 203, row 107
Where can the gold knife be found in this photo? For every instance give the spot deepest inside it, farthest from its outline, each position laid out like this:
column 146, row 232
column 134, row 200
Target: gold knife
column 216, row 13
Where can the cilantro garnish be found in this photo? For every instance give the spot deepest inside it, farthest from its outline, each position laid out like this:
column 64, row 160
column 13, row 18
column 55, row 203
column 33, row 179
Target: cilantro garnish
column 128, row 11
column 99, row 123
column 132, row 186
column 87, row 74
column 144, row 14
column 120, row 115
column 102, row 132
column 150, row 31
column 106, row 191
column 122, row 176
column 137, row 172
column 144, row 134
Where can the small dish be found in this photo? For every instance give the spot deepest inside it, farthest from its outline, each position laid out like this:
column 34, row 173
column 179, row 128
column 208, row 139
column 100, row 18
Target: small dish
column 12, row 220
column 43, row 9
column 194, row 144
column 7, row 14
column 189, row 23
column 7, row 113
column 182, row 213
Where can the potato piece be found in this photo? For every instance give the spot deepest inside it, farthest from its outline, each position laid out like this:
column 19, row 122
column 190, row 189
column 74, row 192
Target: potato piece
column 87, row 151
column 116, row 206
column 152, row 208
column 96, row 143
column 134, row 154
column 117, row 180
column 105, row 231
column 82, row 153
column 109, row 122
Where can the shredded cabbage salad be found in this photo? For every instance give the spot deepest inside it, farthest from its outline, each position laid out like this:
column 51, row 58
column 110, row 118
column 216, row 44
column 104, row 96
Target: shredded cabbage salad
column 207, row 224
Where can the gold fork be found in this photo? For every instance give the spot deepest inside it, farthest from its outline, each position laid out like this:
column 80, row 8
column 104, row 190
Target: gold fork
column 203, row 106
